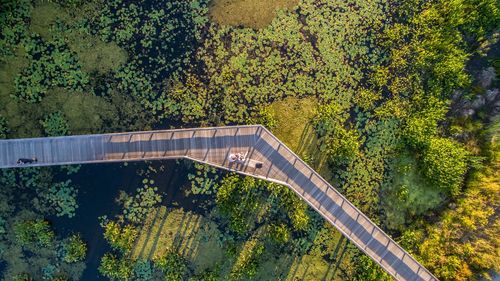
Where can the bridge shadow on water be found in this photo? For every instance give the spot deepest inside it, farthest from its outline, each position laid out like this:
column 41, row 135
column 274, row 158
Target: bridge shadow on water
column 187, row 232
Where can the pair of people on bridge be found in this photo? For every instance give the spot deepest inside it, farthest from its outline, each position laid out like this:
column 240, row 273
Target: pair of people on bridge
column 237, row 157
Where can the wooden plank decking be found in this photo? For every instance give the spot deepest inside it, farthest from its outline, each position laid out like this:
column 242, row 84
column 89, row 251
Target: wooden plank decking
column 213, row 146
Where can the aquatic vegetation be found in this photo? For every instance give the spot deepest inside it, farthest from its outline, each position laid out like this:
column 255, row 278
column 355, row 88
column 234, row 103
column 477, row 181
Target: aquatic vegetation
column 62, row 197
column 361, row 89
column 138, row 206
column 156, row 50
column 52, row 64
column 205, row 180
column 70, row 169
column 13, row 22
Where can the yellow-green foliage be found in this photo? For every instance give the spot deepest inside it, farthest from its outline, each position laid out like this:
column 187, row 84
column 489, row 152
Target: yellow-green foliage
column 247, row 260
column 120, row 237
column 280, row 233
column 237, row 199
column 116, row 268
column 34, row 233
column 445, row 163
column 74, row 249
column 242, row 201
column 291, row 203
column 466, row 238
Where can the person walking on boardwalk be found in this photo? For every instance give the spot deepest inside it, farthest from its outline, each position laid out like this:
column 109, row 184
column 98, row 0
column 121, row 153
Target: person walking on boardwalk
column 22, row 161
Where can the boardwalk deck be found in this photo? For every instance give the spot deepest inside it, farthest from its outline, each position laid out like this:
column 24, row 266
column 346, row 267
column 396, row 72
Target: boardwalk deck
column 213, row 146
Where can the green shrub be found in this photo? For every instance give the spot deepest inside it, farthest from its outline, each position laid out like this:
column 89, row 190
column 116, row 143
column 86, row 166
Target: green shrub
column 423, row 125
column 74, row 249
column 55, row 124
column 173, row 264
column 120, row 238
column 34, row 233
column 337, row 142
column 280, row 233
column 114, row 268
column 295, row 208
column 3, row 128
column 143, row 270
column 22, row 277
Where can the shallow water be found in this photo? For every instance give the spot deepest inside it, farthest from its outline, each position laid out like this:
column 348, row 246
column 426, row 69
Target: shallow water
column 99, row 185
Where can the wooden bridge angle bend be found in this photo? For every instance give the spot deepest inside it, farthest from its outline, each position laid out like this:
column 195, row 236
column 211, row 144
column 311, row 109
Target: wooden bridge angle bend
column 266, row 158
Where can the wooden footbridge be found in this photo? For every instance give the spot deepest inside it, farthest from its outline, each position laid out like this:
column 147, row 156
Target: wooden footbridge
column 213, row 146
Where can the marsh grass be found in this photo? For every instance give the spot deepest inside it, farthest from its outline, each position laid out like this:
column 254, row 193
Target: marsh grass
column 193, row 236
column 293, row 118
column 248, row 13
column 94, row 54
